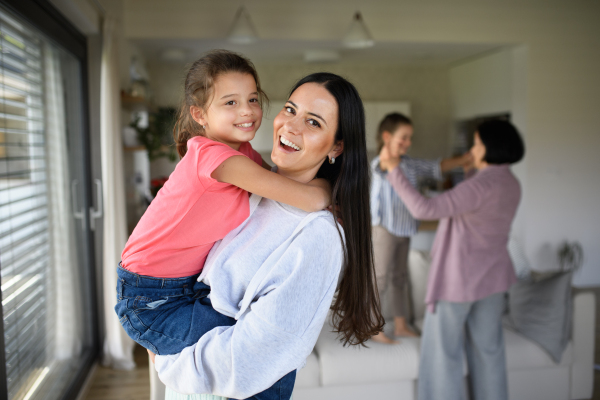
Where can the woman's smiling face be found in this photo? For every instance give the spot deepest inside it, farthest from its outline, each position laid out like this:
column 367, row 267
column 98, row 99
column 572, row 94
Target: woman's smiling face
column 304, row 132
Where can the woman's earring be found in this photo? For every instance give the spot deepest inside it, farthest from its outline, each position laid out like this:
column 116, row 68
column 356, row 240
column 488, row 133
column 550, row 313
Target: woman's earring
column 203, row 126
column 332, row 160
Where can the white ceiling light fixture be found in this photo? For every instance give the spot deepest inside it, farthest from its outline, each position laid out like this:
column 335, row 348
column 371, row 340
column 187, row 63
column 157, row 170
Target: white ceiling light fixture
column 358, row 36
column 242, row 30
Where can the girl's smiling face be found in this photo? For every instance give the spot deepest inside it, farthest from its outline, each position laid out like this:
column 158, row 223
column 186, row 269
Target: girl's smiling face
column 234, row 113
column 304, row 132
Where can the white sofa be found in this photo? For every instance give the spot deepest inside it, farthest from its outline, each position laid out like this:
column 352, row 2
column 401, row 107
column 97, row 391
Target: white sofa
column 383, row 372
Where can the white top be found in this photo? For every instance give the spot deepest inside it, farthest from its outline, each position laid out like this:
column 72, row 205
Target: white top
column 387, row 209
column 276, row 274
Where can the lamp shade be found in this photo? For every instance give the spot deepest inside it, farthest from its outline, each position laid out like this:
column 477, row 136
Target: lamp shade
column 358, row 35
column 242, row 30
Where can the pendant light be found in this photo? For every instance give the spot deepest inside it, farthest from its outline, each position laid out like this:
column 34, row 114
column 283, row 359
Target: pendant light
column 242, row 30
column 358, row 36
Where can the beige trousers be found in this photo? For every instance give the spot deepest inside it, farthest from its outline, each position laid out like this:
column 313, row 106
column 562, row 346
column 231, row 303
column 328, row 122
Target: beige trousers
column 391, row 269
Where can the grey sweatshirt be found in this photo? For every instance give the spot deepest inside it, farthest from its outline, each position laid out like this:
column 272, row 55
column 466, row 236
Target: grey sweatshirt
column 276, row 274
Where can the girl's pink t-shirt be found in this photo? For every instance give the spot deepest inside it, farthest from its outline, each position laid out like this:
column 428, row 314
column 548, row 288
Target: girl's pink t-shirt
column 190, row 213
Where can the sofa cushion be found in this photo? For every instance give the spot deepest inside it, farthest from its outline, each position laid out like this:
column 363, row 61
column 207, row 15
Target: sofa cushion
column 308, row 376
column 542, row 311
column 523, row 353
column 355, row 365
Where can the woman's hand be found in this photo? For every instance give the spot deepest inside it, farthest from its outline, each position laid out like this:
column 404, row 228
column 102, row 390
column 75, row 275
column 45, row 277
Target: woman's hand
column 464, row 161
column 386, row 161
column 326, row 190
column 152, row 355
column 337, row 210
column 468, row 163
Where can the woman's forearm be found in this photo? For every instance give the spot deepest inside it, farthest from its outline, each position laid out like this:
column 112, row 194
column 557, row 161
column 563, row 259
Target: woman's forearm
column 244, row 359
column 448, row 164
column 236, row 362
column 274, row 335
column 419, row 206
column 462, row 198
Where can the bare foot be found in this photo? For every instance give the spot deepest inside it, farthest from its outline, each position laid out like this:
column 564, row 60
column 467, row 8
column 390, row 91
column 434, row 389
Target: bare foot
column 381, row 338
column 401, row 328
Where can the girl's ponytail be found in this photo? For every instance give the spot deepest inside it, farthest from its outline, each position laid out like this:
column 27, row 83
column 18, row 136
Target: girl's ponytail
column 181, row 135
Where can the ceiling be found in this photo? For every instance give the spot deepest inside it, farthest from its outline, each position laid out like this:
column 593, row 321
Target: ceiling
column 293, row 51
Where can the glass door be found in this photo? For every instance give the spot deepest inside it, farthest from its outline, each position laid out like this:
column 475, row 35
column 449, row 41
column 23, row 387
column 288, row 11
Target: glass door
column 48, row 299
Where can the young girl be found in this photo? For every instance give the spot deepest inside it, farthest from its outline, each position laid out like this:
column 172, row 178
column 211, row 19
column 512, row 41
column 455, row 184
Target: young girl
column 393, row 225
column 205, row 198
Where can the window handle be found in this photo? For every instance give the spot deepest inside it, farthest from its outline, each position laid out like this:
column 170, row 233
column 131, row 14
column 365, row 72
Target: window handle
column 97, row 213
column 76, row 214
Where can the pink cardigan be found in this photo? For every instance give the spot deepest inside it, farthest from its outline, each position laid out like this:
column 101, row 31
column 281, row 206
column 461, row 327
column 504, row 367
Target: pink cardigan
column 470, row 259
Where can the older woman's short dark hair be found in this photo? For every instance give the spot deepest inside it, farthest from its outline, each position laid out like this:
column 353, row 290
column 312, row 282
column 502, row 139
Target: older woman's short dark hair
column 503, row 143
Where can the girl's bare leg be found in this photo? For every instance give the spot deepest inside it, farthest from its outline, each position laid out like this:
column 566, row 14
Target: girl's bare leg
column 401, row 328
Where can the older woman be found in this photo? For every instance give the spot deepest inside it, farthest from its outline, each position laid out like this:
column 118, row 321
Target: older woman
column 277, row 273
column 470, row 269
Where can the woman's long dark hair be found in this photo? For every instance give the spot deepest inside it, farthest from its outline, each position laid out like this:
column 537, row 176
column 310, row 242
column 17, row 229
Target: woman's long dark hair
column 356, row 310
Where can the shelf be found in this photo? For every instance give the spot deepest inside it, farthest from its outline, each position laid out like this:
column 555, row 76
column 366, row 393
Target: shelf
column 134, row 148
column 128, row 101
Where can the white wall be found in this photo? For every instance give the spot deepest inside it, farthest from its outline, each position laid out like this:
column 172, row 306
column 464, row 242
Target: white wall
column 425, row 89
column 482, row 86
column 562, row 123
column 496, row 84
column 423, row 93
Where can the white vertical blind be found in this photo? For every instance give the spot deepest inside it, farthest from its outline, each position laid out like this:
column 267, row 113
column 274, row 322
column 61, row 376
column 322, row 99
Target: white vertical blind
column 24, row 237
column 45, row 268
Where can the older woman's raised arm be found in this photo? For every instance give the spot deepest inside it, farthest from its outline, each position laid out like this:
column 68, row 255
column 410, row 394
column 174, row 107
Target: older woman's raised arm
column 465, row 197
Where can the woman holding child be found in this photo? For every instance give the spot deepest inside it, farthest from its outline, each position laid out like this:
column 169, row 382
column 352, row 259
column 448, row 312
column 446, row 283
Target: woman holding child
column 273, row 277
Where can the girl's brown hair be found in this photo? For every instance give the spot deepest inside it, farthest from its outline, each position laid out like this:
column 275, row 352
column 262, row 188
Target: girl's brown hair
column 198, row 90
column 390, row 123
column 356, row 310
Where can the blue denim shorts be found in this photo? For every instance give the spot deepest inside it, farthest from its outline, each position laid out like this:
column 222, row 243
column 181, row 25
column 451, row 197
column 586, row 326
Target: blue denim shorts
column 165, row 315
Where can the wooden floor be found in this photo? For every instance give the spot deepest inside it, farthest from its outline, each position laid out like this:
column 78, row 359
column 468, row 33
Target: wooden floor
column 109, row 384
column 597, row 361
column 597, row 348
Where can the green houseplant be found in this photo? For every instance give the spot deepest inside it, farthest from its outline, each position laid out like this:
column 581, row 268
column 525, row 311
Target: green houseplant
column 157, row 137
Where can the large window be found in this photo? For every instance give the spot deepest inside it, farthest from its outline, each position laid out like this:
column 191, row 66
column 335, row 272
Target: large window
column 45, row 256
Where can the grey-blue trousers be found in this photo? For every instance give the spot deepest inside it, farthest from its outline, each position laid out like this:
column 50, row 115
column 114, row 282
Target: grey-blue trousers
column 454, row 330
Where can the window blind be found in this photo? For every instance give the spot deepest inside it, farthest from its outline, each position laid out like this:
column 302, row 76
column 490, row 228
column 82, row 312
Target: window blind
column 24, row 237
